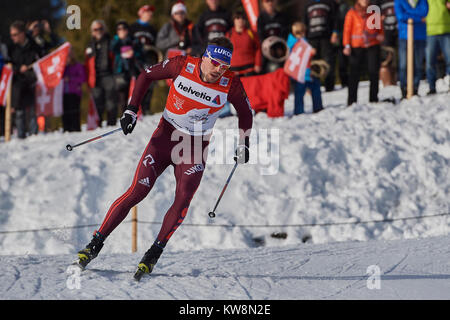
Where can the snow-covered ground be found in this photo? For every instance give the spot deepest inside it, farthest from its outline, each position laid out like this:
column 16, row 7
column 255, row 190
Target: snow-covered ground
column 398, row 269
column 344, row 165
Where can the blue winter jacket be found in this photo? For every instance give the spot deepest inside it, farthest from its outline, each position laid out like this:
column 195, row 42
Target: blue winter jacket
column 404, row 11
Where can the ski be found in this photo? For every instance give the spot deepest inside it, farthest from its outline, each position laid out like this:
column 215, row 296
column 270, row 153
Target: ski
column 142, row 269
column 81, row 263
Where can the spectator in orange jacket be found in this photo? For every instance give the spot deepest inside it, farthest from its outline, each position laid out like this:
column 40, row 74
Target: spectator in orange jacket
column 361, row 39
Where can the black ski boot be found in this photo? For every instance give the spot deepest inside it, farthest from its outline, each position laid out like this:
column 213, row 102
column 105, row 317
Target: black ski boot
column 91, row 251
column 148, row 261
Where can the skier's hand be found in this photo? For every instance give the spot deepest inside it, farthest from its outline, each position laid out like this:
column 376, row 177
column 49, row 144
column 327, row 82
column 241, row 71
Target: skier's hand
column 128, row 119
column 242, row 154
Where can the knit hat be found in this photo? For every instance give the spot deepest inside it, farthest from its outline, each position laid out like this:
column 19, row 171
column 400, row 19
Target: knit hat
column 122, row 23
column 147, row 7
column 177, row 7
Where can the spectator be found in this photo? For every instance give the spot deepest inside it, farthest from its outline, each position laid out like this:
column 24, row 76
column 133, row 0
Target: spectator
column 311, row 82
column 214, row 22
column 247, row 58
column 41, row 32
column 99, row 68
column 145, row 33
column 361, row 44
column 3, row 58
column 341, row 8
column 23, row 52
column 321, row 21
column 74, row 77
column 126, row 52
column 416, row 10
column 271, row 22
column 438, row 36
column 389, row 52
column 177, row 33
column 390, row 23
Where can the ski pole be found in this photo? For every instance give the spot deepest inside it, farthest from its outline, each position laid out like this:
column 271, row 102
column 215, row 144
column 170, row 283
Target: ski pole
column 70, row 147
column 212, row 214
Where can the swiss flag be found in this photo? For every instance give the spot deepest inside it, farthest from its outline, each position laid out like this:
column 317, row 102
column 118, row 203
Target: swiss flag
column 298, row 61
column 5, row 83
column 50, row 69
column 252, row 10
column 92, row 116
column 49, row 101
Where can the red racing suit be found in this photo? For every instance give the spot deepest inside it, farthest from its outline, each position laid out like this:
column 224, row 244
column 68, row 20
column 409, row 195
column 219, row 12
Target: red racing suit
column 192, row 108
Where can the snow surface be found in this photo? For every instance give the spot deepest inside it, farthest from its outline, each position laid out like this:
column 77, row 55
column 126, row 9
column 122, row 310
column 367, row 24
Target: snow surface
column 409, row 269
column 370, row 161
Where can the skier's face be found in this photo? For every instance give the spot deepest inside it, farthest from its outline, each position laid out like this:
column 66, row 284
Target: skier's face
column 212, row 69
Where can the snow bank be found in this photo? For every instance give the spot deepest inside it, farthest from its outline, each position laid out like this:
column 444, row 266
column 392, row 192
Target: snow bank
column 346, row 164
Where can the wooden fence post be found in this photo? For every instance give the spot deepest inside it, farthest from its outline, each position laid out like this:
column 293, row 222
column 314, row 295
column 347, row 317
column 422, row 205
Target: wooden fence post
column 134, row 229
column 410, row 60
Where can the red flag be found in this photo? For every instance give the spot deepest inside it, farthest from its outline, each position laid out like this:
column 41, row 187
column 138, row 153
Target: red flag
column 268, row 92
column 5, row 83
column 130, row 94
column 252, row 9
column 50, row 69
column 49, row 101
column 298, row 61
column 92, row 116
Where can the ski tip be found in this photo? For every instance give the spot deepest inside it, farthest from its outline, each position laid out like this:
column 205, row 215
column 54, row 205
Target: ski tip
column 138, row 275
column 78, row 264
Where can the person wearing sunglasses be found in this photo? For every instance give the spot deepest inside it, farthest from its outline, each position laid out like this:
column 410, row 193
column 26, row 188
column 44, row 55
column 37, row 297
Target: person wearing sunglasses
column 199, row 90
column 99, row 61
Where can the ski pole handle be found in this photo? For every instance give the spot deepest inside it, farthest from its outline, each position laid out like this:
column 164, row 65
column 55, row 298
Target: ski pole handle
column 70, row 147
column 212, row 214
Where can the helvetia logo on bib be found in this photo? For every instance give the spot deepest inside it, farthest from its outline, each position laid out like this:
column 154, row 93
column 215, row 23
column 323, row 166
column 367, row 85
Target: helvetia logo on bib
column 198, row 94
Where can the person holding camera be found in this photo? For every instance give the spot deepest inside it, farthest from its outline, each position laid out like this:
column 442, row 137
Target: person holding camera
column 177, row 33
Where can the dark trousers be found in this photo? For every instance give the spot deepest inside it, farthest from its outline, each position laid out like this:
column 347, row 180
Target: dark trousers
column 299, row 93
column 71, row 114
column 361, row 59
column 327, row 52
column 22, row 100
column 343, row 66
column 105, row 98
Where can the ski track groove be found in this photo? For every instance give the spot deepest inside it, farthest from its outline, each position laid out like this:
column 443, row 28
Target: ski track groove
column 16, row 278
column 236, row 278
column 397, row 264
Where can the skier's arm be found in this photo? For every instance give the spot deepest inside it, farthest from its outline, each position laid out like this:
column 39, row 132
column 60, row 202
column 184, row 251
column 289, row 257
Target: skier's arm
column 167, row 69
column 241, row 103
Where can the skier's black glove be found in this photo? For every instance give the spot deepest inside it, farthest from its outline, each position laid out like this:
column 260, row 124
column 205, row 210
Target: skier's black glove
column 242, row 154
column 128, row 120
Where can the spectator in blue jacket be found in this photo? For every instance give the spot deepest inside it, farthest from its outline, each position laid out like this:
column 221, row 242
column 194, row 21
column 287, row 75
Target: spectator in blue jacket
column 312, row 83
column 416, row 10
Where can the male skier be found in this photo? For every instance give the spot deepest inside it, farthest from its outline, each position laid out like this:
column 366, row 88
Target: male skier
column 200, row 88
